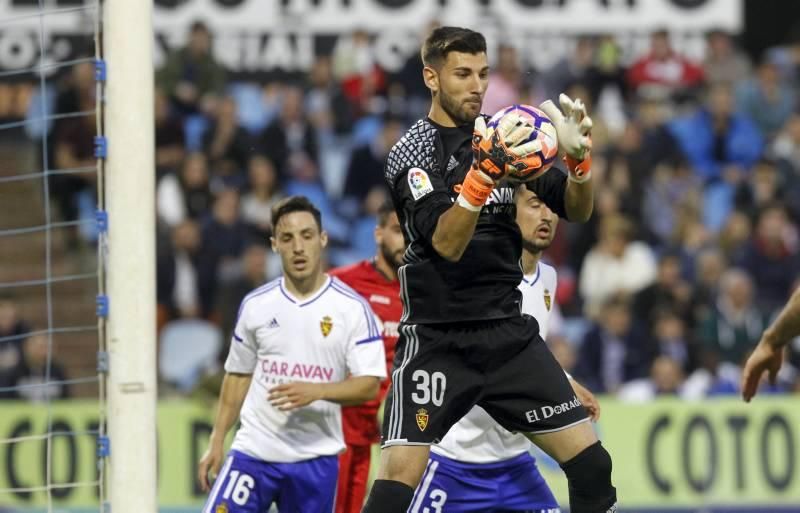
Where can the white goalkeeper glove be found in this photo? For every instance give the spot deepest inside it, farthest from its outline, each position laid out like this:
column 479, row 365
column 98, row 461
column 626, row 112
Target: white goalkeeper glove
column 573, row 127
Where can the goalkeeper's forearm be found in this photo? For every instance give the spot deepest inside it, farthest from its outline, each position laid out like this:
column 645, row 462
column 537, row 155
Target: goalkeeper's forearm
column 454, row 230
column 231, row 397
column 579, row 200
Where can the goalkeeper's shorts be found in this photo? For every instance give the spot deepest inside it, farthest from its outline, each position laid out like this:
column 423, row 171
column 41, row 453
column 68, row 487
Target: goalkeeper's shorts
column 442, row 370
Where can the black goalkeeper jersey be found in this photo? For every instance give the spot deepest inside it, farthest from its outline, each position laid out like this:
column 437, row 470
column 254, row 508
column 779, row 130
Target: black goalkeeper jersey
column 424, row 170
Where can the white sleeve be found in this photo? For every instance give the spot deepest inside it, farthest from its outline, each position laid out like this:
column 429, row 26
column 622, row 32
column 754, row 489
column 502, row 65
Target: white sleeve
column 243, row 354
column 169, row 201
column 365, row 354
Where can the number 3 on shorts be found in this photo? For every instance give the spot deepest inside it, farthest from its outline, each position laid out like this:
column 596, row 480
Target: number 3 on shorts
column 438, row 498
column 239, row 487
column 430, row 387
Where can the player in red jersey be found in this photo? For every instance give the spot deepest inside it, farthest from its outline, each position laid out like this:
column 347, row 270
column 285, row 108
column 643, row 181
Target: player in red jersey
column 376, row 280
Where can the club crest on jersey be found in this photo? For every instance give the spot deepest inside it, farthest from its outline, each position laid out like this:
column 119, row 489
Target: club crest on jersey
column 326, row 325
column 422, row 419
column 547, row 299
column 222, row 508
column 419, row 183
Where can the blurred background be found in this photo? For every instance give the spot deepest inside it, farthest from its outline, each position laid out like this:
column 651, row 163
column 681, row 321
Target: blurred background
column 692, row 249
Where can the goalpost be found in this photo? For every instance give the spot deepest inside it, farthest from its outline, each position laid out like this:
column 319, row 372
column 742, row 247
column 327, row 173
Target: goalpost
column 130, row 203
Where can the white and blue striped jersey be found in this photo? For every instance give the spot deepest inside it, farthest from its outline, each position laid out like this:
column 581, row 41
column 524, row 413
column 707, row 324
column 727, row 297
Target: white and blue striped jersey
column 280, row 339
column 477, row 437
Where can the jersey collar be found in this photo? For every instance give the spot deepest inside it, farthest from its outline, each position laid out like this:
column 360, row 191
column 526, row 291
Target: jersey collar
column 534, row 278
column 307, row 301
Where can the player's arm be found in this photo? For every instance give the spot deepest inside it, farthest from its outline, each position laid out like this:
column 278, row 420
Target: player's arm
column 573, row 126
column 768, row 354
column 579, row 199
column 454, row 230
column 350, row 392
column 231, row 397
column 586, row 398
column 494, row 151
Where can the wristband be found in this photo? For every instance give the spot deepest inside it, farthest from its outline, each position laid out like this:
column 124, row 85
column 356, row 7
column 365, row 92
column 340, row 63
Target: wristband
column 579, row 170
column 475, row 190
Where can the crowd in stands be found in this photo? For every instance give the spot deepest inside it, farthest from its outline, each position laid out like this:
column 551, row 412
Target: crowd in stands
column 692, row 247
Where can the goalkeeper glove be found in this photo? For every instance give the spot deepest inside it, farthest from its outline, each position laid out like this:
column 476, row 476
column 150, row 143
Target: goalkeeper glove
column 496, row 153
column 573, row 127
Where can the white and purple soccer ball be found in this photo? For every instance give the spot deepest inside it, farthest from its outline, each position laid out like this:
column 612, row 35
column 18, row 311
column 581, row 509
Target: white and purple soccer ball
column 544, row 131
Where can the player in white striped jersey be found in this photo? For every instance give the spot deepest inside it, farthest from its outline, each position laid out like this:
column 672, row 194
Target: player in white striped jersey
column 479, row 465
column 303, row 345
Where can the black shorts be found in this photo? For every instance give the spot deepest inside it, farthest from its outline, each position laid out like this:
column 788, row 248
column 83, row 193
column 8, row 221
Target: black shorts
column 442, row 371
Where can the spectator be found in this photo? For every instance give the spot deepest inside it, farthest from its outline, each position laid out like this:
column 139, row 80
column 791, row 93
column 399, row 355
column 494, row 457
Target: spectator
column 325, row 102
column 357, row 70
column 668, row 292
column 717, row 140
column 224, row 238
column 31, row 375
column 724, row 62
column 767, row 99
column 256, row 208
column 672, row 192
column 191, row 76
column 647, row 141
column 672, row 339
column 735, row 236
column 505, row 81
column 764, row 186
column 617, row 263
column 666, row 379
column 253, row 275
column 290, row 141
column 187, row 196
column 227, row 144
column 710, row 264
column 12, row 333
column 721, row 146
column 576, row 67
column 170, row 141
column 408, row 81
column 610, row 353
column 771, row 257
column 735, row 323
column 73, row 149
column 365, row 171
column 663, row 72
column 787, row 148
column 180, row 269
column 563, row 351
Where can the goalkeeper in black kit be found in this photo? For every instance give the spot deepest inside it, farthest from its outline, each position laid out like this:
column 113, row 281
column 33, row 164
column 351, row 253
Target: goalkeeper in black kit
column 463, row 340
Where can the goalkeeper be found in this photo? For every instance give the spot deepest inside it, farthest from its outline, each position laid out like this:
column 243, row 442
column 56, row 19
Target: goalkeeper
column 463, row 340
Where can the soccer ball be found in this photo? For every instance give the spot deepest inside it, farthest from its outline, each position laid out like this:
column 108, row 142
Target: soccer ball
column 544, row 131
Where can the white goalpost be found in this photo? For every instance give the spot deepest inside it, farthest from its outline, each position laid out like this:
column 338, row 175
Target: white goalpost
column 130, row 203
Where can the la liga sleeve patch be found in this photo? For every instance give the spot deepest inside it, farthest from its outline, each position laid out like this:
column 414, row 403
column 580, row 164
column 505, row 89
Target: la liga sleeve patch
column 419, row 183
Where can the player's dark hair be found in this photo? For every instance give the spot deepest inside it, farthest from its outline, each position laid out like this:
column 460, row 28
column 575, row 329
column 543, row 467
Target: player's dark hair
column 385, row 211
column 293, row 204
column 199, row 26
column 444, row 40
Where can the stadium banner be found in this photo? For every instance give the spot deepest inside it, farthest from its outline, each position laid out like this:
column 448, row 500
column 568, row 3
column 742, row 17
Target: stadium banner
column 667, row 453
column 266, row 39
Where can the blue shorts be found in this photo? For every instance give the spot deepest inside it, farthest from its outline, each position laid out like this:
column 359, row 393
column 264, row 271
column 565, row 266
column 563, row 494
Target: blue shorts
column 449, row 486
column 249, row 485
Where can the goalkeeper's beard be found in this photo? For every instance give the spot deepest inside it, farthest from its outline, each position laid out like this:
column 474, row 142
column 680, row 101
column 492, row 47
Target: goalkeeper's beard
column 456, row 109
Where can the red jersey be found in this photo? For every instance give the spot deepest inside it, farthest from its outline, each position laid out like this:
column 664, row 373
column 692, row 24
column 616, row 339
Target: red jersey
column 360, row 423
